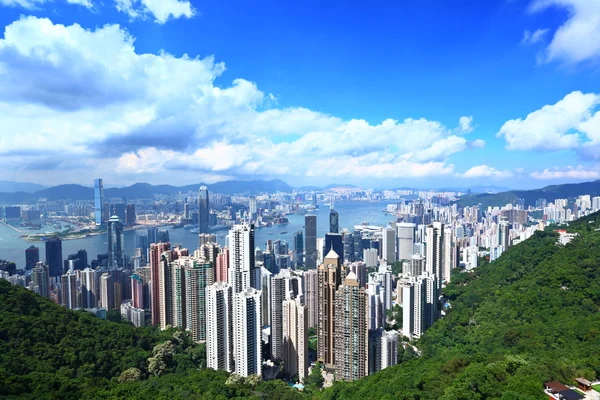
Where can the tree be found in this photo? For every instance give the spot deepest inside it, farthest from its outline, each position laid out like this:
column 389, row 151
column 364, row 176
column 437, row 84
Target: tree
column 314, row 381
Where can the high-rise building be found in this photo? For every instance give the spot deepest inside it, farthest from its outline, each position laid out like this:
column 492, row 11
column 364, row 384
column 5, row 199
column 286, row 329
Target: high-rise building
column 383, row 349
column 54, row 259
column 248, row 332
column 152, row 235
column 388, row 252
column 334, row 241
column 198, row 277
column 130, row 215
column 252, row 207
column 375, row 307
column 137, row 291
column 107, row 296
column 434, row 250
column 156, row 250
column 165, row 289
column 222, row 265
column 89, row 288
column 219, row 327
column 406, row 240
column 370, row 257
column 116, row 243
column 266, row 277
column 40, row 278
column 298, row 248
column 419, row 304
column 334, row 221
column 449, row 256
column 32, row 257
column 310, row 237
column 295, row 338
column 311, row 290
column 118, row 294
column 329, row 279
column 69, row 290
column 241, row 257
column 278, row 296
column 351, row 331
column 203, row 209
column 99, row 213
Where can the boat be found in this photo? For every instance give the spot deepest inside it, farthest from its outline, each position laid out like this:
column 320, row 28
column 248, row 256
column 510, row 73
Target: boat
column 194, row 230
column 283, row 233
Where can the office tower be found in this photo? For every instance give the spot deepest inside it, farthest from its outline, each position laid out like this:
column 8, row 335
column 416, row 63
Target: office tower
column 329, row 279
column 258, row 255
column 416, row 265
column 152, row 235
column 156, row 250
column 295, row 338
column 99, row 213
column 248, row 332
column 310, row 291
column 384, row 275
column 54, row 259
column 252, row 207
column 388, row 252
column 449, row 255
column 32, row 257
column 119, row 210
column 375, row 300
column 357, row 245
column 383, row 349
column 370, row 257
column 89, row 288
column 360, row 270
column 219, row 327
column 69, row 290
column 107, row 297
column 348, row 242
column 142, row 243
column 130, row 216
column 333, row 241
column 320, row 250
column 116, row 243
column 222, row 265
column 80, row 260
column 162, row 236
column 118, row 294
column 137, row 291
column 198, row 276
column 334, row 220
column 40, row 278
column 266, row 278
column 298, row 248
column 241, row 257
column 203, row 209
column 406, row 240
column 310, row 236
column 351, row 333
column 434, row 250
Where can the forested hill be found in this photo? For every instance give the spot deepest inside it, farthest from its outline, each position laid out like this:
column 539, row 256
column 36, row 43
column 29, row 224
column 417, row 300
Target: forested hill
column 529, row 317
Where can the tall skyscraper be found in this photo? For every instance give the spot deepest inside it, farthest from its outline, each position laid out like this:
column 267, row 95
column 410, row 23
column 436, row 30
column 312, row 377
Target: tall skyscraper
column 198, row 277
column 116, row 243
column 54, row 259
column 152, row 235
column 375, row 307
column 266, row 278
column 241, row 257
column 434, row 250
column 219, row 327
column 69, row 290
column 329, row 279
column 299, row 248
column 388, row 252
column 278, row 296
column 351, row 331
column 334, row 241
column 311, row 290
column 203, row 209
column 310, row 236
column 334, row 220
column 137, row 291
column 165, row 289
column 449, row 255
column 89, row 288
column 99, row 214
column 248, row 332
column 32, row 257
column 252, row 207
column 222, row 265
column 107, row 294
column 383, row 349
column 130, row 214
column 295, row 338
column 419, row 304
column 40, row 278
column 156, row 250
column 406, row 240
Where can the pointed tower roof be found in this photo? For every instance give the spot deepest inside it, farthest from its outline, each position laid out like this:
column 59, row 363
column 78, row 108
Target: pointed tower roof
column 332, row 254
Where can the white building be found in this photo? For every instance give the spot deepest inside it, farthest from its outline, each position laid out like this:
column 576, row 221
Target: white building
column 370, row 257
column 247, row 331
column 241, row 257
column 219, row 327
column 295, row 338
column 406, row 240
column 311, row 290
column 388, row 251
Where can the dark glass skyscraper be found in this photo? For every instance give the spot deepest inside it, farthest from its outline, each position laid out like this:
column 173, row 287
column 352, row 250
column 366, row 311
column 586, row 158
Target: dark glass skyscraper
column 310, row 234
column 32, row 257
column 333, row 241
column 116, row 242
column 203, row 209
column 334, row 221
column 54, row 259
column 99, row 201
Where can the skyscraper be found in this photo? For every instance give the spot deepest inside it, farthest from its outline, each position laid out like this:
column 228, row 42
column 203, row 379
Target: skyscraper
column 388, row 252
column 434, row 250
column 40, row 279
column 32, row 257
column 310, row 236
column 333, row 241
column 219, row 327
column 449, row 255
column 241, row 257
column 69, row 290
column 351, row 331
column 329, row 279
column 299, row 248
column 406, row 240
column 99, row 202
column 89, row 288
column 198, row 277
column 203, row 209
column 278, row 296
column 107, row 296
column 222, row 265
column 130, row 215
column 116, row 243
column 54, row 259
column 311, row 290
column 137, row 291
column 248, row 332
column 334, row 220
column 156, row 249
column 295, row 338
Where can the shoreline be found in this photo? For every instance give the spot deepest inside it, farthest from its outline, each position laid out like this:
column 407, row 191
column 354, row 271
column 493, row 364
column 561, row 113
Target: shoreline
column 38, row 237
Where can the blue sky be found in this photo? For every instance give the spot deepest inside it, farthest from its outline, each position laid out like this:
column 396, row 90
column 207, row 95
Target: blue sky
column 411, row 93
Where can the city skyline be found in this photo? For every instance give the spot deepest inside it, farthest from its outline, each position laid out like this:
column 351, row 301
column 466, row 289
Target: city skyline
column 519, row 104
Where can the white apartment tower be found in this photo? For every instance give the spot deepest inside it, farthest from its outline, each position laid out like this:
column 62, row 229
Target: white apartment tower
column 247, row 332
column 219, row 327
column 295, row 338
column 241, row 257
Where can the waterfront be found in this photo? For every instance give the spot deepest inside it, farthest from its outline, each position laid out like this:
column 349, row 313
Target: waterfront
column 12, row 247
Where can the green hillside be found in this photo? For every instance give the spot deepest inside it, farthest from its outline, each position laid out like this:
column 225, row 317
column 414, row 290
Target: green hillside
column 531, row 316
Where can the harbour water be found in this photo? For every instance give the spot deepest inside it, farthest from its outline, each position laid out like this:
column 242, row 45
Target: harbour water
column 352, row 213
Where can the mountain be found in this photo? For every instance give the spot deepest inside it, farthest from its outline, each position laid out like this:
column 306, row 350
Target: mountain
column 143, row 190
column 12, row 187
column 477, row 189
column 550, row 193
column 340, row 186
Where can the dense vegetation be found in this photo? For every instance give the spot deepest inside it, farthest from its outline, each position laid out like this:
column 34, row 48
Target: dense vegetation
column 531, row 316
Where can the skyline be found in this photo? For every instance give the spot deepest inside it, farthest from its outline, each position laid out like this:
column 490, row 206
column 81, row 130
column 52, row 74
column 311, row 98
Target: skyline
column 370, row 96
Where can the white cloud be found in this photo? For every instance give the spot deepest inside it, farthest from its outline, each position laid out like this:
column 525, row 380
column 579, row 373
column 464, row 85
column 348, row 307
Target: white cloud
column 84, row 3
column 578, row 173
column 161, row 10
column 568, row 124
column 477, row 144
column 75, row 94
column 578, row 39
column 534, row 37
column 484, row 171
column 33, row 4
column 465, row 124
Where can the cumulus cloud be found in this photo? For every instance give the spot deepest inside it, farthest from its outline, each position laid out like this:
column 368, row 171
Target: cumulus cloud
column 578, row 173
column 465, row 124
column 578, row 39
column 477, row 144
column 33, row 4
column 484, row 171
column 75, row 94
column 160, row 10
column 569, row 124
column 534, row 37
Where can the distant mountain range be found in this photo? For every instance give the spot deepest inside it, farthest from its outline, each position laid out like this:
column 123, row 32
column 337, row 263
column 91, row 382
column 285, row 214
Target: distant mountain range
column 478, row 189
column 142, row 191
column 550, row 193
column 12, row 187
